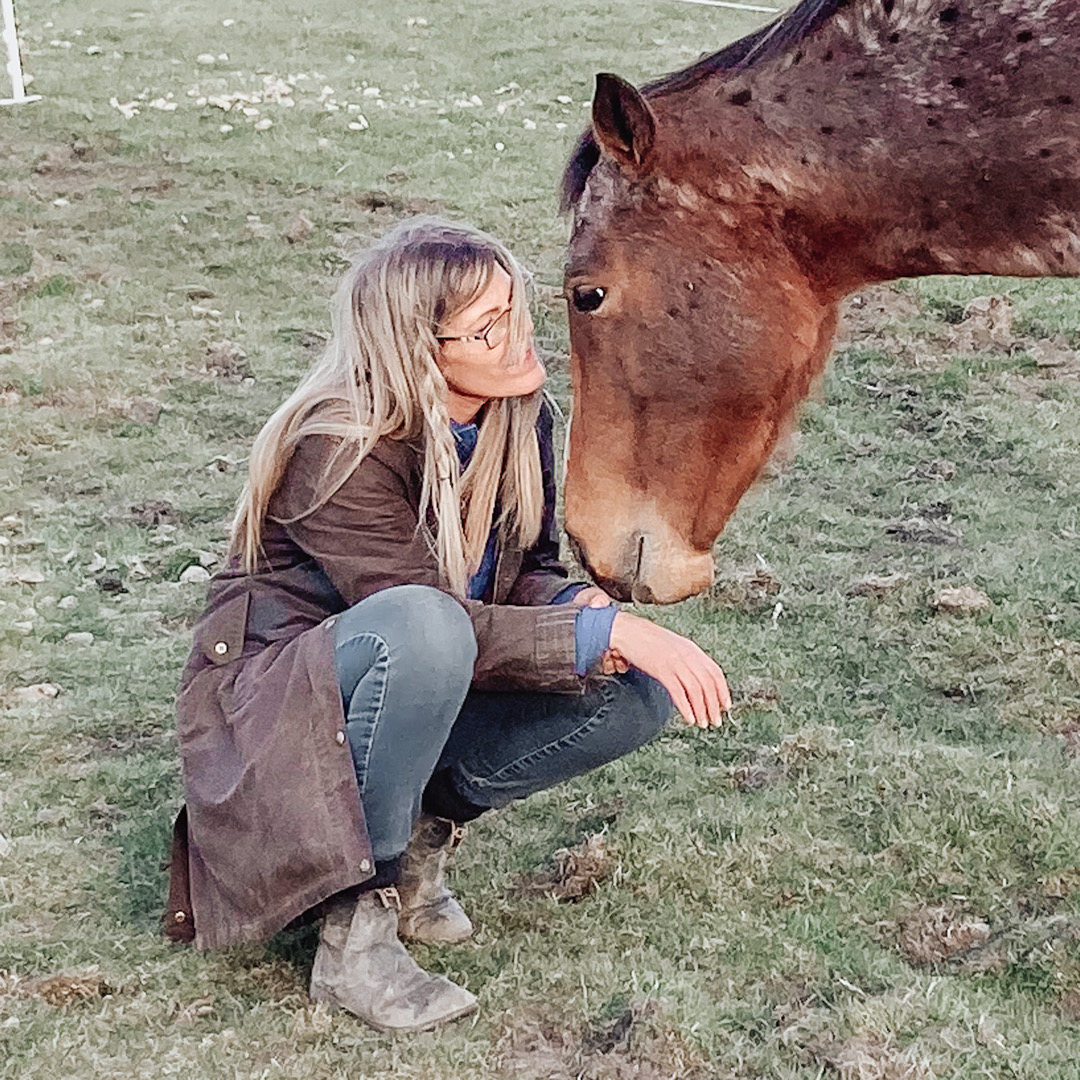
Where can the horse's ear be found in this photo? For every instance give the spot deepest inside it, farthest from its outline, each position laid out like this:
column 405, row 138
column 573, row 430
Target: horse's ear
column 623, row 123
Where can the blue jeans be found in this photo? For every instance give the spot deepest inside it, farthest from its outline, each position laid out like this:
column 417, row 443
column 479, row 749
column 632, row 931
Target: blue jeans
column 404, row 662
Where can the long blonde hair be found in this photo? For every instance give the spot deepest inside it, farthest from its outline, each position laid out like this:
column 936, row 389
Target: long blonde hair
column 379, row 378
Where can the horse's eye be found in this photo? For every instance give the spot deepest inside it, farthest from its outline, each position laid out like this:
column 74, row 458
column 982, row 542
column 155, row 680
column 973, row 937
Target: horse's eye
column 587, row 300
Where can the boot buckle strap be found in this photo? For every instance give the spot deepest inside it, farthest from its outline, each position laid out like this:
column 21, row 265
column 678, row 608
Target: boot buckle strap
column 457, row 834
column 389, row 897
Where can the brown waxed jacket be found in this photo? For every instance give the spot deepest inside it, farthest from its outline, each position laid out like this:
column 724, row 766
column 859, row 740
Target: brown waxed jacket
column 274, row 819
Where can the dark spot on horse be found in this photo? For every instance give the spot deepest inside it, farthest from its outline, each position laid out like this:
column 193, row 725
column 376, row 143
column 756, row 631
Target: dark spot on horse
column 743, row 97
column 804, row 161
column 828, row 129
column 894, row 38
column 828, row 56
column 780, row 99
column 858, row 74
column 673, row 312
column 958, row 81
column 949, row 15
column 1064, row 99
column 932, row 121
column 1024, row 35
column 798, row 57
column 1044, row 153
column 888, row 6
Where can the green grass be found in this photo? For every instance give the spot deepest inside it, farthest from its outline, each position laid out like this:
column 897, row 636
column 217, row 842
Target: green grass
column 884, row 762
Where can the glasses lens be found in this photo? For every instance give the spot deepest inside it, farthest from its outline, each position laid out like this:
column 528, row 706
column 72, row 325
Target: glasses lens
column 498, row 331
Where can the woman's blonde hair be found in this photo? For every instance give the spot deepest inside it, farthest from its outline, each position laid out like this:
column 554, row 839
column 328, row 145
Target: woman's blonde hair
column 379, row 378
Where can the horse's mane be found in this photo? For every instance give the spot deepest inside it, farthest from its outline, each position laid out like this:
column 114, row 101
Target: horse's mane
column 764, row 44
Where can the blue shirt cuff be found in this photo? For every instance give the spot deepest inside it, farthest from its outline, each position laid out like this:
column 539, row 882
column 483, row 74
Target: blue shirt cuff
column 592, row 635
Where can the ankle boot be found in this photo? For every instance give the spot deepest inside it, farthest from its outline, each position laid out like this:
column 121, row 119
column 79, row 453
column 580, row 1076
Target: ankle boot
column 362, row 967
column 429, row 912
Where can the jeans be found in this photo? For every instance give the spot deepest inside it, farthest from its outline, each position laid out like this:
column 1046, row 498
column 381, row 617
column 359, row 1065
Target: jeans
column 404, row 661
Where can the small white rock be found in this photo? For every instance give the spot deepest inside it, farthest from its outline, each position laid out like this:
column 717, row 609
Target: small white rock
column 359, row 124
column 195, row 575
column 207, row 59
column 264, row 124
column 66, row 603
column 529, row 125
column 225, row 129
column 41, row 691
column 79, row 637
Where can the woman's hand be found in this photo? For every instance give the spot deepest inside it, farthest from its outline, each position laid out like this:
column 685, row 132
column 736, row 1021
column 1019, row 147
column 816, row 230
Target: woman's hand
column 693, row 678
column 592, row 596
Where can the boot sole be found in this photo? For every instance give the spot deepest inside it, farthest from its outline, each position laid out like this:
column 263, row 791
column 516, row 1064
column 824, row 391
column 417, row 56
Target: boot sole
column 433, row 939
column 324, row 997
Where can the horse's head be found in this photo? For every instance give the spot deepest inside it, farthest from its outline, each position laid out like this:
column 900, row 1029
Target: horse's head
column 694, row 333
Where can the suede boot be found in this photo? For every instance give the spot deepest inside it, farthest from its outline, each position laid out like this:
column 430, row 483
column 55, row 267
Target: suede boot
column 429, row 912
column 362, row 967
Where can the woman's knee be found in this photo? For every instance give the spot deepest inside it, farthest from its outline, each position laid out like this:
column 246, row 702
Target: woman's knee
column 421, row 628
column 642, row 709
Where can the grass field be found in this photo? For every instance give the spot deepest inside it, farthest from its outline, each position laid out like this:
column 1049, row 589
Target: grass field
column 874, row 873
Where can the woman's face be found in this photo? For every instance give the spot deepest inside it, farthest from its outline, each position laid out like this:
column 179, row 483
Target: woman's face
column 477, row 356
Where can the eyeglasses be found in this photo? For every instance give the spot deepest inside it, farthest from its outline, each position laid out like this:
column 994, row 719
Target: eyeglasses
column 493, row 335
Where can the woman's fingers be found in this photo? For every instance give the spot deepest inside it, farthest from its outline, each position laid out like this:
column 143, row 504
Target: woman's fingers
column 694, row 680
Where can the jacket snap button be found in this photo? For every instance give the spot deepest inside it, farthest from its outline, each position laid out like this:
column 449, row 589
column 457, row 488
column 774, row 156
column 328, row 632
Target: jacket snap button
column 365, row 865
column 340, row 737
column 221, row 648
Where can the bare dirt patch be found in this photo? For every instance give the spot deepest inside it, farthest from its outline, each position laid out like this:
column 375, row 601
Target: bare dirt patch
column 874, row 1057
column 931, row 935
column 576, row 872
column 225, row 359
column 961, row 600
column 58, row 990
column 749, row 590
column 879, row 585
column 635, row 1044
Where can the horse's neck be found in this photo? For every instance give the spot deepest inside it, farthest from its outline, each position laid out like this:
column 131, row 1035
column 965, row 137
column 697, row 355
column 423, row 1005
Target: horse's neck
column 914, row 143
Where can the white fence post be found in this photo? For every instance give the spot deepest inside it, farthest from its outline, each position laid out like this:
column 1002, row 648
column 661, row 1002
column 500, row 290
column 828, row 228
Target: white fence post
column 14, row 64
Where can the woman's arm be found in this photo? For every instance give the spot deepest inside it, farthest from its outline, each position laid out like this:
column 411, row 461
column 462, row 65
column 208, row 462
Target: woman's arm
column 365, row 539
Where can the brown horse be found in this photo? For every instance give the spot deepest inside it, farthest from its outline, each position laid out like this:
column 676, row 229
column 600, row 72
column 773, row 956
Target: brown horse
column 722, row 213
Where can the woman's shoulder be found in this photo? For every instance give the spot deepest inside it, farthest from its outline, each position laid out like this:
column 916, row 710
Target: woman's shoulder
column 322, row 463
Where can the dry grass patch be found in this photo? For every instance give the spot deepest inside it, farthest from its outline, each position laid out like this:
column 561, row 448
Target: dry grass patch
column 635, row 1044
column 931, row 935
column 576, row 872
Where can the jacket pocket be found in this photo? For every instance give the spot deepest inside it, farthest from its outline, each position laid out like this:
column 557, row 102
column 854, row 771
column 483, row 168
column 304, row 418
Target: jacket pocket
column 220, row 634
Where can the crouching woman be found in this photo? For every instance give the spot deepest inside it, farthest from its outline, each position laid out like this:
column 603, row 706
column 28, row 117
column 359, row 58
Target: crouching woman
column 394, row 647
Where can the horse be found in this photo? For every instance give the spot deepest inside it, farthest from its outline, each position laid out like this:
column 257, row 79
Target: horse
column 721, row 214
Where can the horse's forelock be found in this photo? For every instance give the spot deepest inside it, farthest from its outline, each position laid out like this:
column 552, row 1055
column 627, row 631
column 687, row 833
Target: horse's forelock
column 582, row 162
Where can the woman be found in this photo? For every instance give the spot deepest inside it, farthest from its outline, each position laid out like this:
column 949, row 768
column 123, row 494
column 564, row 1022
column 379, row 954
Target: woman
column 394, row 647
